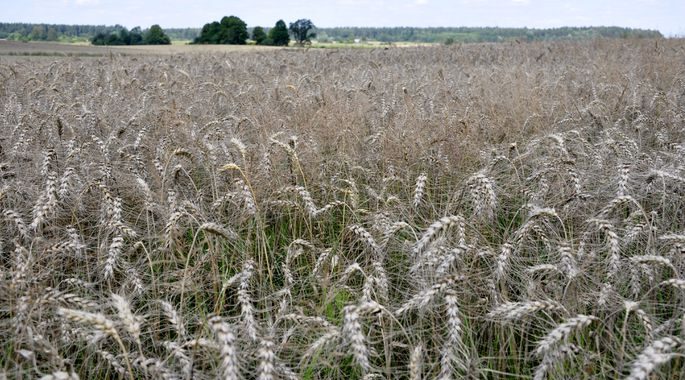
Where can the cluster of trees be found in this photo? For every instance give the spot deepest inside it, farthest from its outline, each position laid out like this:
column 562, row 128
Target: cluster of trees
column 233, row 30
column 486, row 34
column 276, row 36
column 153, row 36
column 230, row 30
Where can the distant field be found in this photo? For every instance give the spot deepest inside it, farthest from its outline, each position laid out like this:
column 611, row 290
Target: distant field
column 56, row 49
column 14, row 48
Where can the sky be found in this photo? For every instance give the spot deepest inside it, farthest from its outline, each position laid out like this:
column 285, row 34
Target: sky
column 666, row 16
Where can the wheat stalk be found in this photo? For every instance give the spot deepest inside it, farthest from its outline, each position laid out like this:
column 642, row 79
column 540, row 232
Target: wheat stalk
column 113, row 253
column 267, row 359
column 553, row 358
column 246, row 309
column 369, row 241
column 61, row 375
column 353, row 335
column 436, row 228
column 513, row 311
column 561, row 333
column 654, row 355
column 131, row 322
column 482, row 192
column 424, row 297
column 226, row 340
column 453, row 347
column 102, row 324
column 419, row 190
column 416, row 363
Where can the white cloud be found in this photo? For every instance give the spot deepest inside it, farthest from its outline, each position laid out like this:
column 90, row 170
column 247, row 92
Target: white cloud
column 521, row 2
column 86, row 2
column 421, row 2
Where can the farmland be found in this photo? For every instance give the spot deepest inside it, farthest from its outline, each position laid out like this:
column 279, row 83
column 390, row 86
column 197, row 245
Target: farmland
column 482, row 211
column 54, row 49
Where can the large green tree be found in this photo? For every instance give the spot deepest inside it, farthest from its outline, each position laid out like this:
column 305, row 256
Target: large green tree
column 209, row 34
column 301, row 30
column 278, row 35
column 156, row 36
column 233, row 31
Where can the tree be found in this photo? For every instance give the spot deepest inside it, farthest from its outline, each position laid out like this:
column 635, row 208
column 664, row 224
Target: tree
column 258, row 35
column 136, row 36
column 98, row 39
column 278, row 35
column 155, row 36
column 113, row 39
column 231, row 30
column 300, row 30
column 125, row 36
column 209, row 34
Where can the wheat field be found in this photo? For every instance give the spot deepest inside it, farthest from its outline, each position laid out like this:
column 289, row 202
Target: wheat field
column 488, row 211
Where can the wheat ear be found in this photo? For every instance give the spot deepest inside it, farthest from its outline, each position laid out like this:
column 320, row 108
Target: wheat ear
column 226, row 339
column 562, row 332
column 102, row 324
column 434, row 229
column 657, row 353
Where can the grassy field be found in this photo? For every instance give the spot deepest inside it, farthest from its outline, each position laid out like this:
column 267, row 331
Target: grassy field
column 469, row 211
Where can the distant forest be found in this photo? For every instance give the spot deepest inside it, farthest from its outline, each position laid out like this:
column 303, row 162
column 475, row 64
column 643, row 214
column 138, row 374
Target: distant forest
column 486, row 34
column 72, row 33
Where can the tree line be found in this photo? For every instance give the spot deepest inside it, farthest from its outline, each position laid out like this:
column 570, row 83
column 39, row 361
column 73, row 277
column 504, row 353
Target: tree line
column 96, row 34
column 276, row 35
column 52, row 32
column 478, row 34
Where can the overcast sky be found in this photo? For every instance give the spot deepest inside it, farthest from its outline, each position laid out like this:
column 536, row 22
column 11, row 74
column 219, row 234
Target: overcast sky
column 665, row 15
